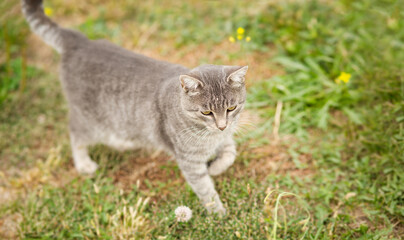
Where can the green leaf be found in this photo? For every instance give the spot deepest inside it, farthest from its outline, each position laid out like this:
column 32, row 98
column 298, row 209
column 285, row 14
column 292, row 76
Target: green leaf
column 290, row 64
column 353, row 116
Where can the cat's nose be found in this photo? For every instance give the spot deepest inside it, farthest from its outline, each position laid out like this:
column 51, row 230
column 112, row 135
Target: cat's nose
column 220, row 119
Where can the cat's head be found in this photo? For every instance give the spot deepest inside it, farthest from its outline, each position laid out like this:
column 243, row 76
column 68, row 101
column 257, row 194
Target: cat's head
column 214, row 95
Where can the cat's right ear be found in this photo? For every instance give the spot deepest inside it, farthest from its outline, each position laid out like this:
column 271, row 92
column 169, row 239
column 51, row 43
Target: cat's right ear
column 237, row 78
column 190, row 85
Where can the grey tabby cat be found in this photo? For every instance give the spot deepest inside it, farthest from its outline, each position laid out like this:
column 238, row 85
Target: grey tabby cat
column 126, row 100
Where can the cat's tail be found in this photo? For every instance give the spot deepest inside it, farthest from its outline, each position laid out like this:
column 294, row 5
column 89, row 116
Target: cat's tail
column 45, row 28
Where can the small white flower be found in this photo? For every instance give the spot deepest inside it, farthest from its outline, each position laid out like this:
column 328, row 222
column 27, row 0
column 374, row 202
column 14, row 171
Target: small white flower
column 183, row 213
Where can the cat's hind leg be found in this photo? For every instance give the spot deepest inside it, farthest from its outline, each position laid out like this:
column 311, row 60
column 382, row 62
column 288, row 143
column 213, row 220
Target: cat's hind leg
column 81, row 159
column 226, row 155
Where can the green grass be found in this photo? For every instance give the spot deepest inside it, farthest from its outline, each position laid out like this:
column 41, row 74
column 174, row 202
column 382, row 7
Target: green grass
column 80, row 211
column 336, row 171
column 13, row 68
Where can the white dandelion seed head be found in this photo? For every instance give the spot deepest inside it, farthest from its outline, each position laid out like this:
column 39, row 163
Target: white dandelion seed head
column 183, row 213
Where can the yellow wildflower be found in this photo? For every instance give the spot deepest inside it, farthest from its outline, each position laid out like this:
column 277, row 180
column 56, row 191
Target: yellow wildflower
column 239, row 37
column 240, row 31
column 232, row 39
column 248, row 38
column 344, row 77
column 48, row 11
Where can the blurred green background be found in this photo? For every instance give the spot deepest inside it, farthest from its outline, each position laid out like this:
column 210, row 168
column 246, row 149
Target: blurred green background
column 324, row 121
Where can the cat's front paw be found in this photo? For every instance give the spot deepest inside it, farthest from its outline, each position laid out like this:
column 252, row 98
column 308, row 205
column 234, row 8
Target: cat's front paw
column 221, row 211
column 216, row 208
column 219, row 165
column 86, row 167
column 215, row 168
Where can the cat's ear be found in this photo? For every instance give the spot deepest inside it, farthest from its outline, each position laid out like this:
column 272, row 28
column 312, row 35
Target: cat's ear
column 190, row 85
column 237, row 77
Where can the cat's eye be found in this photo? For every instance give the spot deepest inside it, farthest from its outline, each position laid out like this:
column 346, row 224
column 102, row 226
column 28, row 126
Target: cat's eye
column 207, row 112
column 231, row 108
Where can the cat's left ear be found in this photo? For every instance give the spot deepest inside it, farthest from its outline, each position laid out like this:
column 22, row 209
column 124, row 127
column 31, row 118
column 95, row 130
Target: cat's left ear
column 237, row 78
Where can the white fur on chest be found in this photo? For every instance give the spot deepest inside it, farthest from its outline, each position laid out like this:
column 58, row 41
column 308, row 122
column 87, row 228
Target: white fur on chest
column 121, row 144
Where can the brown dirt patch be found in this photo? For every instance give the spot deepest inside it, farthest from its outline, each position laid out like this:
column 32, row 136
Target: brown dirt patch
column 272, row 158
column 148, row 172
column 9, row 226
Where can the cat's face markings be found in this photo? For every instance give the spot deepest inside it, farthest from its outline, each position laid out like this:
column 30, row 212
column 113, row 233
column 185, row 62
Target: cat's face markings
column 214, row 95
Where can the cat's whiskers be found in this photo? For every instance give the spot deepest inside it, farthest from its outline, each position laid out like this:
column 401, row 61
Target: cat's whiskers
column 188, row 135
column 186, row 131
column 193, row 135
column 197, row 139
column 242, row 129
column 244, row 122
